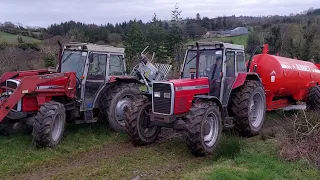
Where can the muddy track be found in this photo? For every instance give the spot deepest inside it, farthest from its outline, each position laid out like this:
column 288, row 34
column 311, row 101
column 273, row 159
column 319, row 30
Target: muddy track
column 91, row 158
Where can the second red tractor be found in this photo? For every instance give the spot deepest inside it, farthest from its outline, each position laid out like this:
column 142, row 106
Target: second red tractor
column 215, row 90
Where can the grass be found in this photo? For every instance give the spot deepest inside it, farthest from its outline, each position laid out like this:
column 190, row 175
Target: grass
column 13, row 39
column 240, row 40
column 258, row 160
column 90, row 152
column 18, row 155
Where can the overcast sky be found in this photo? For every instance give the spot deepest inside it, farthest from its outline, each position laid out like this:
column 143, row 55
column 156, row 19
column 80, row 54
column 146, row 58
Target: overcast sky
column 45, row 12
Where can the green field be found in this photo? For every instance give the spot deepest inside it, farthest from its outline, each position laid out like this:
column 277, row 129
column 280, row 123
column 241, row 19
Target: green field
column 240, row 40
column 92, row 152
column 13, row 39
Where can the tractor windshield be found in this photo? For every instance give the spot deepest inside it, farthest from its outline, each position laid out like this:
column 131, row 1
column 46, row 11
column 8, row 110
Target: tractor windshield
column 73, row 61
column 207, row 63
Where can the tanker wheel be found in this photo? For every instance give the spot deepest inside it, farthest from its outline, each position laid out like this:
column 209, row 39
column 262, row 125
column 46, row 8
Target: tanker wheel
column 203, row 128
column 49, row 124
column 138, row 124
column 248, row 107
column 114, row 102
column 313, row 98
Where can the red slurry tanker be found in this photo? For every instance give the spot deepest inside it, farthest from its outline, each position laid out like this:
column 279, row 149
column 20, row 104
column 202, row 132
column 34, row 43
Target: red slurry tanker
column 287, row 81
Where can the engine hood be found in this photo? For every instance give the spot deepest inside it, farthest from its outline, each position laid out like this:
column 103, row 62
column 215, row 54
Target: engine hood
column 57, row 83
column 191, row 84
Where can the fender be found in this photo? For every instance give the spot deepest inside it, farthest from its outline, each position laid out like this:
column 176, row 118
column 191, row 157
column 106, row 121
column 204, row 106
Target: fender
column 243, row 76
column 130, row 79
column 210, row 98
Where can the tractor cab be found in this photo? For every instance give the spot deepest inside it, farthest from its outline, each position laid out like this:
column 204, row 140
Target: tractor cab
column 219, row 62
column 93, row 65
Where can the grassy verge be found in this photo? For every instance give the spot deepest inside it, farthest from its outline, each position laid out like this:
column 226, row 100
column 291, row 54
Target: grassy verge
column 92, row 152
column 257, row 160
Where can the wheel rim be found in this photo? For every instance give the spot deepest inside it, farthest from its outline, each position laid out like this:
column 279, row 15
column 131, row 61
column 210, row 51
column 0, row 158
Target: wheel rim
column 57, row 128
column 124, row 102
column 256, row 110
column 211, row 129
column 146, row 128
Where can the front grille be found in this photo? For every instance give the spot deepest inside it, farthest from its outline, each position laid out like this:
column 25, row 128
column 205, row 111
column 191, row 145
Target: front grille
column 162, row 104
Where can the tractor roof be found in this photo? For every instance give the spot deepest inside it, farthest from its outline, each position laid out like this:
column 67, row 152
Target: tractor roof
column 93, row 47
column 214, row 44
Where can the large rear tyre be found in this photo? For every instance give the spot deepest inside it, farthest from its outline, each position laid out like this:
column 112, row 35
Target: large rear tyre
column 138, row 124
column 49, row 125
column 203, row 128
column 248, row 107
column 313, row 98
column 114, row 102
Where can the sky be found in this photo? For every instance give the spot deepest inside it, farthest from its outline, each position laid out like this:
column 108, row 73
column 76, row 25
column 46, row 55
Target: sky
column 45, row 12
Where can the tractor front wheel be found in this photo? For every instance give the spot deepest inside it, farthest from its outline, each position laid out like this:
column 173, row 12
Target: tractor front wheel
column 248, row 107
column 138, row 125
column 49, row 124
column 203, row 128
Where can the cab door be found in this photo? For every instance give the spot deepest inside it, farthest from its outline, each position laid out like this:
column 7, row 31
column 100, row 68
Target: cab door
column 229, row 75
column 95, row 77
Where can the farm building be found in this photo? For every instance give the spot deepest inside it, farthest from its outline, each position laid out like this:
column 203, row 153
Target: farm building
column 239, row 31
column 234, row 32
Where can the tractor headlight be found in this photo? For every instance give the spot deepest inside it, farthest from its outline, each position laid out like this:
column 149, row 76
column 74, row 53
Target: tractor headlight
column 157, row 94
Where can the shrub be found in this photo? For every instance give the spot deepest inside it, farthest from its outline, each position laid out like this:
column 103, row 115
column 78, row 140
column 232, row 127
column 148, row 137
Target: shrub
column 49, row 61
column 303, row 138
column 26, row 46
column 20, row 40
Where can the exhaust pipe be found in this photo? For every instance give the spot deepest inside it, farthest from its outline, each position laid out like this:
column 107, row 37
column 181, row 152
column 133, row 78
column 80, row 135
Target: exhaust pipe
column 197, row 61
column 59, row 57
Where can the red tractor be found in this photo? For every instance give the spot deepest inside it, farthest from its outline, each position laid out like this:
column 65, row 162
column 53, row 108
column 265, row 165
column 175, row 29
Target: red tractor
column 90, row 84
column 214, row 91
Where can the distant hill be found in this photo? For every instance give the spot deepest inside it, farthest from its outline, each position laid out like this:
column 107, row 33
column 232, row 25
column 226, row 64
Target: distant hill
column 240, row 40
column 13, row 39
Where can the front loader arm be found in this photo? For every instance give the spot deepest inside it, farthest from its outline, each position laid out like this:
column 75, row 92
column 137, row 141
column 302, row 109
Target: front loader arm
column 27, row 85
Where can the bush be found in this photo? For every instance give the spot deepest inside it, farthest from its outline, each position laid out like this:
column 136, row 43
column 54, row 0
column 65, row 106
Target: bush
column 303, row 138
column 26, row 46
column 20, row 40
column 49, row 61
column 3, row 45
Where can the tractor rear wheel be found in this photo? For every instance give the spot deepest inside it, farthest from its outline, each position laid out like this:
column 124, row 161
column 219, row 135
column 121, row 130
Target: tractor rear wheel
column 49, row 124
column 138, row 125
column 113, row 103
column 248, row 107
column 203, row 128
column 313, row 99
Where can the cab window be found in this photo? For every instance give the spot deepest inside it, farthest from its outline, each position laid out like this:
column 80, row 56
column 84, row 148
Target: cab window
column 241, row 66
column 97, row 66
column 116, row 65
